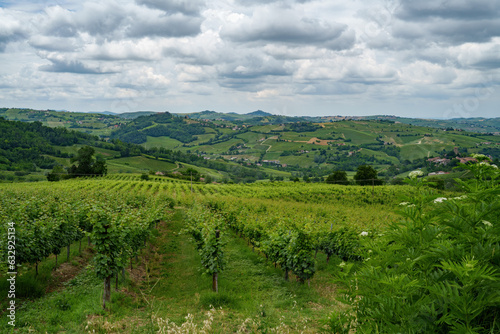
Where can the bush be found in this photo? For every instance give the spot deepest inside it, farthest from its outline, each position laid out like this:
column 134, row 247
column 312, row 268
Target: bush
column 438, row 270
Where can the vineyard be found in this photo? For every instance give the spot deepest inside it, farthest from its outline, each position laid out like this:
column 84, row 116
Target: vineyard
column 266, row 257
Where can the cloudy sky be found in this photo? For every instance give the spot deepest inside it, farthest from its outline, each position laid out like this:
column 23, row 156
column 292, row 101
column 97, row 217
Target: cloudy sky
column 425, row 58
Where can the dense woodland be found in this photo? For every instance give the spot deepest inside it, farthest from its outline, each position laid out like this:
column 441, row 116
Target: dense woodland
column 23, row 145
column 159, row 125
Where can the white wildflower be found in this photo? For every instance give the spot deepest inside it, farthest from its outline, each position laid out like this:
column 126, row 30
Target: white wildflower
column 440, row 199
column 363, row 234
column 494, row 166
column 460, row 197
column 404, row 203
column 416, row 173
column 487, row 223
column 484, row 163
column 342, row 264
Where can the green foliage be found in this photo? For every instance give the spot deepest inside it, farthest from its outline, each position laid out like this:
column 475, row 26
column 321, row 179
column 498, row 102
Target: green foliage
column 438, row 271
column 300, row 258
column 87, row 164
column 337, row 177
column 205, row 227
column 217, row 300
column 366, row 175
column 344, row 243
column 56, row 174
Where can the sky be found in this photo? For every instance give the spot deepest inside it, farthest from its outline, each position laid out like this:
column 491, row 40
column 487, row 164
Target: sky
column 425, row 58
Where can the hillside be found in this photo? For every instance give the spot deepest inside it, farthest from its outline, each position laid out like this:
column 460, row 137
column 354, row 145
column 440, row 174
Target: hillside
column 31, row 146
column 29, row 150
column 478, row 124
column 158, row 125
column 92, row 123
column 315, row 148
column 257, row 117
column 259, row 143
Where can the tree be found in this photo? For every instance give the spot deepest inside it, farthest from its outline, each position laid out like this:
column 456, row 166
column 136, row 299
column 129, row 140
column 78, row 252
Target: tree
column 337, row 177
column 192, row 172
column 56, row 174
column 367, row 175
column 87, row 164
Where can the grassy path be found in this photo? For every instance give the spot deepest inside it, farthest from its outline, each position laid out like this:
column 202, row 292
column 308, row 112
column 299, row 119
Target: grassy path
column 167, row 283
column 249, row 287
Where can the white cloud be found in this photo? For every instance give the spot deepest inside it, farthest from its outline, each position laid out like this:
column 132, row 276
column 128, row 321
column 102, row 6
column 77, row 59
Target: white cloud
column 232, row 55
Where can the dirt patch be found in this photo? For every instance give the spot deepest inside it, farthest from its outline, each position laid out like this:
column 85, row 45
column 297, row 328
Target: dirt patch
column 317, row 141
column 68, row 270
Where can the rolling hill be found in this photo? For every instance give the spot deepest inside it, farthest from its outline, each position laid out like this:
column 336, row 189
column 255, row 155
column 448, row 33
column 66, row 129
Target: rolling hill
column 258, row 142
column 318, row 148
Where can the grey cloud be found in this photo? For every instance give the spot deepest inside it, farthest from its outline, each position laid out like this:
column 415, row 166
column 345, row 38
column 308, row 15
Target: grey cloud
column 446, row 22
column 489, row 63
column 176, row 25
column 70, row 66
column 462, row 32
column 447, row 32
column 49, row 43
column 8, row 38
column 266, row 2
column 455, row 9
column 187, row 7
column 291, row 30
column 113, row 21
column 249, row 73
column 254, row 65
column 10, row 31
column 330, row 88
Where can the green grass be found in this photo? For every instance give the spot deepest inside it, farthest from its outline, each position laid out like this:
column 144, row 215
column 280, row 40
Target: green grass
column 359, row 137
column 412, row 152
column 138, row 164
column 301, row 160
column 102, row 151
column 206, row 171
column 217, row 148
column 165, row 142
column 379, row 155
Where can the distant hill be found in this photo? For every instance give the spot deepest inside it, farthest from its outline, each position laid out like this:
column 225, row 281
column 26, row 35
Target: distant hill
column 259, row 113
column 477, row 124
column 101, row 112
column 256, row 142
column 133, row 115
column 94, row 123
column 253, row 118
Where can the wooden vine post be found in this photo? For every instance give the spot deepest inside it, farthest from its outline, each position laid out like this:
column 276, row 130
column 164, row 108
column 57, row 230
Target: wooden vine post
column 107, row 280
column 215, row 276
